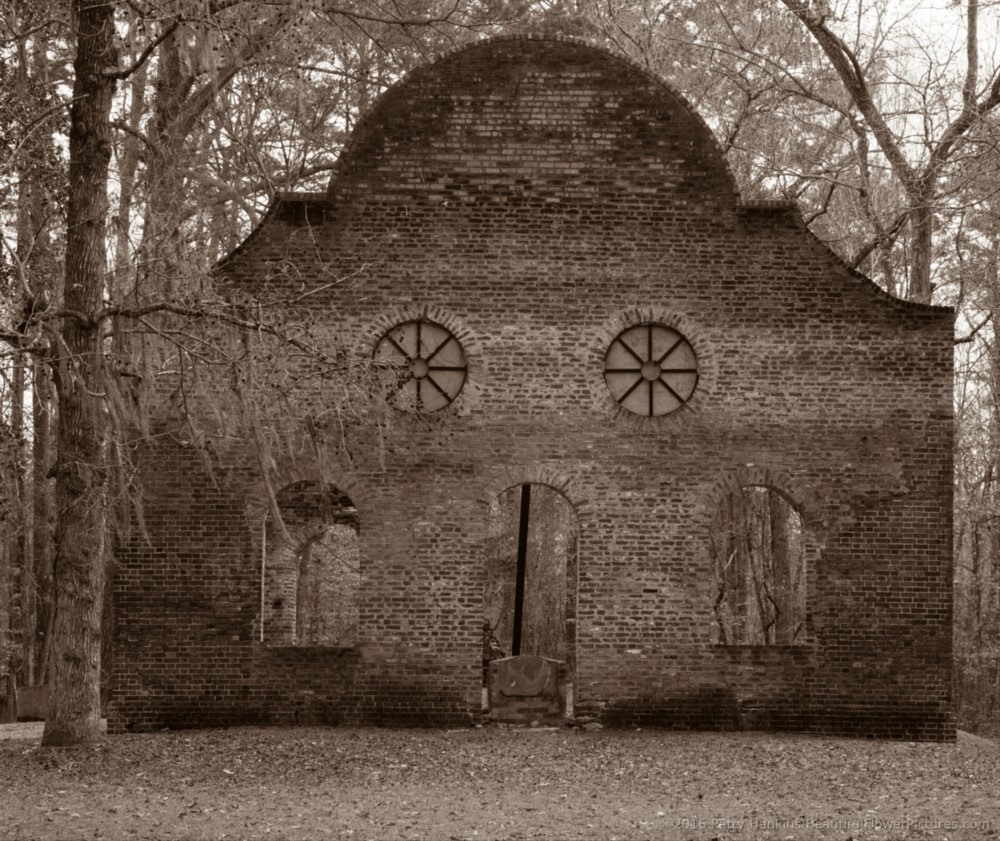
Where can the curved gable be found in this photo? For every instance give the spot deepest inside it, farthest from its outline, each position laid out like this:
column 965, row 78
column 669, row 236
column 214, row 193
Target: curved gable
column 549, row 118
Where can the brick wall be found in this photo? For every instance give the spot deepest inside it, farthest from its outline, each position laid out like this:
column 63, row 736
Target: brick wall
column 536, row 197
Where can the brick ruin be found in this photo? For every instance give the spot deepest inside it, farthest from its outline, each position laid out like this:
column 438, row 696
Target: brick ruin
column 539, row 251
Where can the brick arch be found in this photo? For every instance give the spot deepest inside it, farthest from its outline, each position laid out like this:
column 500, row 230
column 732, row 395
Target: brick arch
column 432, row 312
column 537, row 475
column 391, row 104
column 258, row 507
column 691, row 330
column 799, row 496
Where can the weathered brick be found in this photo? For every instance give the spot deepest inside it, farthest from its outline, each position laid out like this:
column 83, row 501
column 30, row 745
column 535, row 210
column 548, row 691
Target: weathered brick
column 536, row 197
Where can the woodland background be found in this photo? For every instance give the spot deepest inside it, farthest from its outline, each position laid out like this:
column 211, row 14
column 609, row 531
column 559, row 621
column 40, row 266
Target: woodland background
column 140, row 141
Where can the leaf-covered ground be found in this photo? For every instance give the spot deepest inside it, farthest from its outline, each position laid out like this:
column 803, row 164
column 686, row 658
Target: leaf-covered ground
column 360, row 783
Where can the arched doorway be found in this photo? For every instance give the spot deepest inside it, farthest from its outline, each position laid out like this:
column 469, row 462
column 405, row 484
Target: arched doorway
column 530, row 581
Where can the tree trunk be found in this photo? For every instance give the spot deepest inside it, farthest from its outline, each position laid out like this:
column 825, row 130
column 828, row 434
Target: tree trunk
column 29, row 215
column 80, row 539
column 8, row 472
column 303, row 593
column 44, row 512
column 783, row 590
column 161, row 250
column 22, row 525
column 36, row 265
column 988, row 579
column 740, row 585
column 921, row 250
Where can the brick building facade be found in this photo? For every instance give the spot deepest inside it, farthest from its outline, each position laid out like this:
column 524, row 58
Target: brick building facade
column 541, row 253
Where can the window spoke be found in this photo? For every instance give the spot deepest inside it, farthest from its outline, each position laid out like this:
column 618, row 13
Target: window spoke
column 666, row 385
column 675, row 381
column 434, row 383
column 416, row 368
column 399, row 347
column 440, row 347
column 673, row 347
column 635, row 355
column 639, row 381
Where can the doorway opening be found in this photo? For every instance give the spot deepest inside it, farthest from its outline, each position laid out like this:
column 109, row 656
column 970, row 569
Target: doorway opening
column 530, row 582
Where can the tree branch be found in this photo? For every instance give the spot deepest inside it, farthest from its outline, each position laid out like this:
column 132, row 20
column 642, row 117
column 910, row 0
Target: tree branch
column 20, row 36
column 205, row 95
column 884, row 237
column 975, row 330
column 143, row 57
column 851, row 74
column 31, row 126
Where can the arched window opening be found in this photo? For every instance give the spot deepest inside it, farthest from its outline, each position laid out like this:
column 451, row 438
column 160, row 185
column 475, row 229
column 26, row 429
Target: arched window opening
column 310, row 582
column 758, row 560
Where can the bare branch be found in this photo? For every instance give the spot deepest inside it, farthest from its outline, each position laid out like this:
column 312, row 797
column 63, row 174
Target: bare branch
column 143, row 57
column 825, row 206
column 32, row 126
column 975, row 330
column 20, row 36
column 885, row 237
column 851, row 74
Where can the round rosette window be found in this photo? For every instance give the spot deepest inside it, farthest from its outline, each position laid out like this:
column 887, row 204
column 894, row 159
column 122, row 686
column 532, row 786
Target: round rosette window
column 651, row 369
column 425, row 365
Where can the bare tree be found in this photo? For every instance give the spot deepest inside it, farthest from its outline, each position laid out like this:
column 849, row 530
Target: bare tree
column 758, row 555
column 113, row 323
column 81, row 538
column 943, row 137
column 199, row 113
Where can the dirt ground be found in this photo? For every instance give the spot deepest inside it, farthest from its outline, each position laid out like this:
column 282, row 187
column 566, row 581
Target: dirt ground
column 496, row 783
